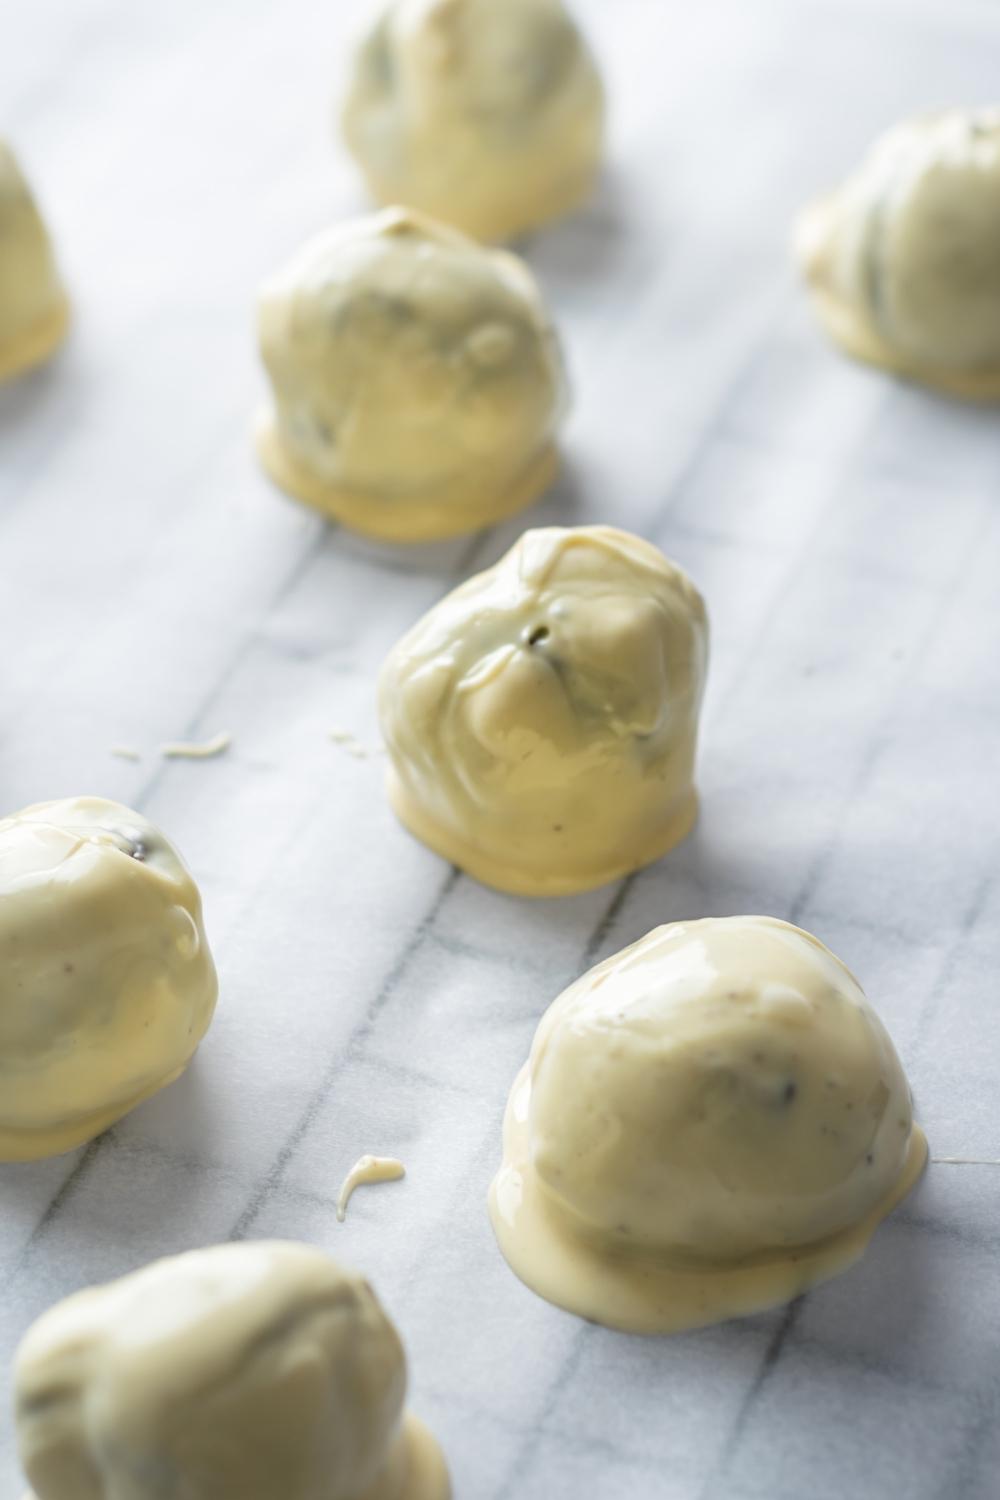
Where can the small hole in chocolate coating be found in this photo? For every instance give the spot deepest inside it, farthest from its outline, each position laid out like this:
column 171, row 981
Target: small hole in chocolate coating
column 136, row 847
column 539, row 634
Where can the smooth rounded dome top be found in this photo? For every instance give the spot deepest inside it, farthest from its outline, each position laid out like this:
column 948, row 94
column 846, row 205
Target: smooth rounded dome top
column 106, row 981
column 263, row 1371
column 720, row 1089
column 541, row 720
column 33, row 307
column 490, row 117
column 904, row 259
column 417, row 381
column 715, row 1117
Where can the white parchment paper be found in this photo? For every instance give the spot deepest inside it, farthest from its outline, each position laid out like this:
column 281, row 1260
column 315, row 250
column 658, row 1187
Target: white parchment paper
column 846, row 533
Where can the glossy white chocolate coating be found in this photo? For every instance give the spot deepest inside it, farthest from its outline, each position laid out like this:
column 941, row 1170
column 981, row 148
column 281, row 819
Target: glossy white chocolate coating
column 904, row 259
column 366, row 1170
column 709, row 1122
column 259, row 1371
column 488, row 116
column 33, row 307
column 417, row 382
column 106, row 981
column 541, row 719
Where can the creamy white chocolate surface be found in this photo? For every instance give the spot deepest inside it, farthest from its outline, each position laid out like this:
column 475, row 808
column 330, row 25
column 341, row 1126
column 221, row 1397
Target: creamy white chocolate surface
column 417, row 381
column 709, row 1122
column 197, row 749
column 904, row 259
column 490, row 117
column 541, row 719
column 33, row 307
column 107, row 984
column 254, row 1371
column 366, row 1170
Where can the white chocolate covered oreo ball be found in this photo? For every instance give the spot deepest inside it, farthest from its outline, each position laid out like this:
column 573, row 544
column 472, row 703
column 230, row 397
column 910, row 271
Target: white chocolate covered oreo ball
column 541, row 720
column 417, row 381
column 258, row 1371
column 34, row 311
column 709, row 1122
column 488, row 116
column 903, row 261
column 106, row 981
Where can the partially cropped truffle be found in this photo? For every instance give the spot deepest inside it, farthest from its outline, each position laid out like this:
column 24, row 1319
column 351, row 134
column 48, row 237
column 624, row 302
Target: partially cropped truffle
column 490, row 117
column 709, row 1122
column 252, row 1371
column 541, row 720
column 417, row 381
column 903, row 261
column 106, row 981
column 33, row 308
